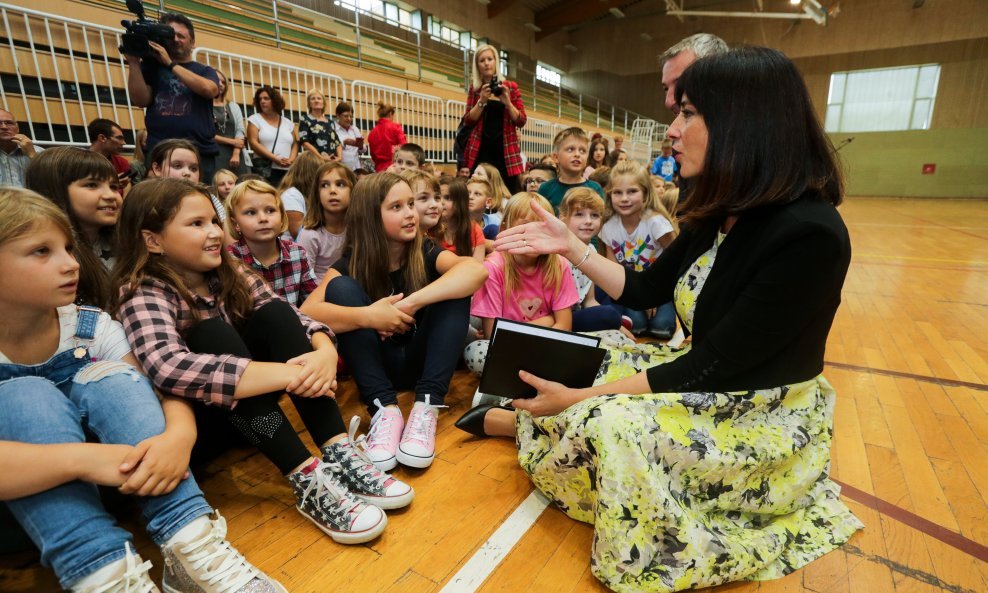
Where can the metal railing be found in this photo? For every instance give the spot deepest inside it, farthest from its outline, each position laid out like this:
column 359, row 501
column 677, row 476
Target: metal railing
column 70, row 72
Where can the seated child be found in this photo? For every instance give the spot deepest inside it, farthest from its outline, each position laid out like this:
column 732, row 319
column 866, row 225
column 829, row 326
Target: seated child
column 256, row 219
column 535, row 289
column 399, row 305
column 67, row 370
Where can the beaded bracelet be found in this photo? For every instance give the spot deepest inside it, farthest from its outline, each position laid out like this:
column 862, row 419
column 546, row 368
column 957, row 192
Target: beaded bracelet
column 586, row 256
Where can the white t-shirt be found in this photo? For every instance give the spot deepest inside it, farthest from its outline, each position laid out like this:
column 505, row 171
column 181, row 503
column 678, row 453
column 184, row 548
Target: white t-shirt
column 266, row 134
column 108, row 343
column 294, row 201
column 351, row 156
column 637, row 250
column 322, row 247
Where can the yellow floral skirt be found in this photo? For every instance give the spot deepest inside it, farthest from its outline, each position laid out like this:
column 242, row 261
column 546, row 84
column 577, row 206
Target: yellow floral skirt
column 689, row 490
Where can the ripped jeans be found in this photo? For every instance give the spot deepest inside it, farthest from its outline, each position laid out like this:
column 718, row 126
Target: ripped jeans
column 54, row 402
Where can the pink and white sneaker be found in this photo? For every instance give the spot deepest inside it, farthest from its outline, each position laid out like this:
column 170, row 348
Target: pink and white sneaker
column 383, row 437
column 418, row 443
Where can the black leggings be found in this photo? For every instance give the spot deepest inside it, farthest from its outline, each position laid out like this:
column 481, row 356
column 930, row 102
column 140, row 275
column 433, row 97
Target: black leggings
column 272, row 334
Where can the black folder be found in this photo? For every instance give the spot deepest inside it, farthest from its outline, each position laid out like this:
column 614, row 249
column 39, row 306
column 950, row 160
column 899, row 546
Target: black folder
column 556, row 355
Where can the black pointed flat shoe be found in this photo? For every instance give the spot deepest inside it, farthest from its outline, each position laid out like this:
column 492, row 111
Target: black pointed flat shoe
column 473, row 420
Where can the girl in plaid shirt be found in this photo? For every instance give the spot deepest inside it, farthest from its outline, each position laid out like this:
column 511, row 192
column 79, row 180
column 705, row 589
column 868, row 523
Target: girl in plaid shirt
column 205, row 328
column 256, row 218
column 65, row 369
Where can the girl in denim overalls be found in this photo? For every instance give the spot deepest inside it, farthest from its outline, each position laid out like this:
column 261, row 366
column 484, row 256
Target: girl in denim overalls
column 66, row 371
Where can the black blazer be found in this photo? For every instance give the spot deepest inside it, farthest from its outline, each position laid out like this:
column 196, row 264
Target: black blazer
column 763, row 316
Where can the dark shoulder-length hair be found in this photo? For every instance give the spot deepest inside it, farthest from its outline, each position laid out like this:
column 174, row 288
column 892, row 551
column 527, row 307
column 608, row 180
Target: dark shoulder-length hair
column 277, row 101
column 765, row 144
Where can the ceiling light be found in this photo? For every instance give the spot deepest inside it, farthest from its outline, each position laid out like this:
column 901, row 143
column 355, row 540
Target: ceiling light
column 795, row 2
column 616, row 12
column 645, row 37
column 570, row 47
column 533, row 27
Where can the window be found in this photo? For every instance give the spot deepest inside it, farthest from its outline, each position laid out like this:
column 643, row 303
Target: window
column 503, row 60
column 386, row 11
column 548, row 75
column 450, row 34
column 882, row 100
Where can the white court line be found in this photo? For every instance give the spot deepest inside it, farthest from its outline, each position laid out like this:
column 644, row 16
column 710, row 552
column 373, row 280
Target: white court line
column 494, row 550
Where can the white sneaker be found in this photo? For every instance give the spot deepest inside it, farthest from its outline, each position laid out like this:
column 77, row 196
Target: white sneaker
column 418, row 443
column 134, row 579
column 210, row 564
column 383, row 437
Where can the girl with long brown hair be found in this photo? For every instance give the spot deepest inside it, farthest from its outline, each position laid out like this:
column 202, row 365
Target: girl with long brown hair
column 399, row 305
column 206, row 329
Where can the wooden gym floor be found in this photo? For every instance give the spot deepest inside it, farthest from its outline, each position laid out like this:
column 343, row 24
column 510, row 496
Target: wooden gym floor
column 909, row 358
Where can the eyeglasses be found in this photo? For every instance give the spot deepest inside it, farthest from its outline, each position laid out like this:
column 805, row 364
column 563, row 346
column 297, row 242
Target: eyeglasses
column 7, row 123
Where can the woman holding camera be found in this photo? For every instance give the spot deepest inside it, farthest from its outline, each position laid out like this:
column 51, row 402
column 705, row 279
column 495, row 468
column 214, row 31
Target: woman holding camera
column 494, row 112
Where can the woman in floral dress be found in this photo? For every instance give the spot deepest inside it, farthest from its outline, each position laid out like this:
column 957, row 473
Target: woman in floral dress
column 316, row 131
column 708, row 464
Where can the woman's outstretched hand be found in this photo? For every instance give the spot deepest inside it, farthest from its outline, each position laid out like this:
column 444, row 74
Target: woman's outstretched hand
column 551, row 399
column 548, row 235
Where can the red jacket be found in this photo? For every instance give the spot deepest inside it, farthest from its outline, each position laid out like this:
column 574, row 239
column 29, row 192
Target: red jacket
column 512, row 147
column 383, row 139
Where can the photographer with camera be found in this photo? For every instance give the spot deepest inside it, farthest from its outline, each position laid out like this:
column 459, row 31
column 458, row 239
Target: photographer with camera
column 494, row 112
column 177, row 91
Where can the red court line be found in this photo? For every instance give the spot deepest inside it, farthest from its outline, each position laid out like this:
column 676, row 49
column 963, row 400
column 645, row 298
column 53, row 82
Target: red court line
column 951, row 538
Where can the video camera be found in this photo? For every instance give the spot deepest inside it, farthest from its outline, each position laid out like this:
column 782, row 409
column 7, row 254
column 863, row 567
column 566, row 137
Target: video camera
column 139, row 33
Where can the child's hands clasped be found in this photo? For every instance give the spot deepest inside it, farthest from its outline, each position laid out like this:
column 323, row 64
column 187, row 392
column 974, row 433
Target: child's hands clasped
column 157, row 465
column 317, row 375
column 385, row 316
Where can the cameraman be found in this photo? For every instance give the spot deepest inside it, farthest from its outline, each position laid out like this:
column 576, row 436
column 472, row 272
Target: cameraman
column 495, row 111
column 177, row 92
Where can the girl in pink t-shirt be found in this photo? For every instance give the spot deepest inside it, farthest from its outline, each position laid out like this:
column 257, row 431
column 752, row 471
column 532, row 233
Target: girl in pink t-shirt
column 537, row 289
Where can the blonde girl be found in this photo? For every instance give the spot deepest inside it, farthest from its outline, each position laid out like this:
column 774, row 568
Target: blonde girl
column 256, row 219
column 324, row 226
column 223, row 182
column 295, row 185
column 201, row 325
column 638, row 228
column 399, row 306
column 66, row 370
column 463, row 235
column 537, row 289
column 428, row 203
column 81, row 184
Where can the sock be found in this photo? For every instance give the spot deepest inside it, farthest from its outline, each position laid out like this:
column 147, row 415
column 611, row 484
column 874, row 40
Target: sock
column 192, row 530
column 103, row 575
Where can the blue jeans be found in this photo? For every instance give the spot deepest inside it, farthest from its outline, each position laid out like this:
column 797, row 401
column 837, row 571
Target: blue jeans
column 55, row 402
column 662, row 323
column 424, row 356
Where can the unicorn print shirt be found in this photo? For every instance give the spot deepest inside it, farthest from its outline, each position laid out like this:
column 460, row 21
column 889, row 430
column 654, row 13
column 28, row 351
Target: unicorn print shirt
column 528, row 300
column 637, row 250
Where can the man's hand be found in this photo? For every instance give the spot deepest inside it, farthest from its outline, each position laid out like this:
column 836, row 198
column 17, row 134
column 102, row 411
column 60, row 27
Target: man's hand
column 160, row 53
column 25, row 144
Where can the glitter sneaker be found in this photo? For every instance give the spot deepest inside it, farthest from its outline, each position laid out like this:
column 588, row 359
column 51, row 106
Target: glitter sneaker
column 328, row 504
column 418, row 443
column 211, row 565
column 383, row 437
column 134, row 579
column 350, row 465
